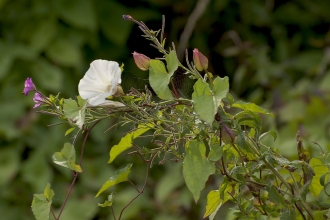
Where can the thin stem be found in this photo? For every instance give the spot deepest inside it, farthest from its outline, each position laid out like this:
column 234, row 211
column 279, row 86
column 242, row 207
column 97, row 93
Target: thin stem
column 239, row 152
column 226, row 173
column 75, row 175
column 143, row 187
column 299, row 209
column 67, row 196
column 174, row 89
column 163, row 27
column 133, row 185
column 84, row 142
column 53, row 213
column 113, row 213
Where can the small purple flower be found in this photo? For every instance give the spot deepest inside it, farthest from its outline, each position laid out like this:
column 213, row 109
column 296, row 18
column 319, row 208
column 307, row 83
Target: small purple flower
column 28, row 86
column 38, row 99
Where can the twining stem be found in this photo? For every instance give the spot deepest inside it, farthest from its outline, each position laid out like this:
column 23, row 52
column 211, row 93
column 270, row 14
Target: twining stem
column 67, row 195
column 133, row 185
column 75, row 175
column 143, row 187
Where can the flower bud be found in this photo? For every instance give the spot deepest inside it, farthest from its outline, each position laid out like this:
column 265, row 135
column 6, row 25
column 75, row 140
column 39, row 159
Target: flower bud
column 227, row 135
column 201, row 62
column 127, row 17
column 141, row 61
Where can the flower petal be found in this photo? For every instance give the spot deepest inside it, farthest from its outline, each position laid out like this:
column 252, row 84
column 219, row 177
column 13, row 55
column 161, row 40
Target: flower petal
column 100, row 81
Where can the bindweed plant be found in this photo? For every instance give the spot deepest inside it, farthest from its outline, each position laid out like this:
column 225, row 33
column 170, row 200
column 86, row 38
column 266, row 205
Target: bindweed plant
column 210, row 133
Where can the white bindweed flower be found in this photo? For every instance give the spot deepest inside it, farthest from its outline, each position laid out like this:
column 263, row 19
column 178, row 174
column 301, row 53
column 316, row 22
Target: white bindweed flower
column 100, row 81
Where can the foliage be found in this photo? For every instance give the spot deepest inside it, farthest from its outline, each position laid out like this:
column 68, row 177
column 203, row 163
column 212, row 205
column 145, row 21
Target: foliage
column 257, row 178
column 274, row 54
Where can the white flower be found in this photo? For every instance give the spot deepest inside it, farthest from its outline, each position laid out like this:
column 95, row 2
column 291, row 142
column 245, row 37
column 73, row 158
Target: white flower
column 100, row 81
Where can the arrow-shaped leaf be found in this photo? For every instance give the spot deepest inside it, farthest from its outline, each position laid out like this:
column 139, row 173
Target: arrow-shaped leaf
column 108, row 202
column 67, row 157
column 119, row 176
column 126, row 142
column 196, row 167
column 41, row 203
column 207, row 100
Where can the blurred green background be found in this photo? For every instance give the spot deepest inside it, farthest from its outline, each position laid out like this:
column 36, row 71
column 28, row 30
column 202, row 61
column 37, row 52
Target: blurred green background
column 276, row 54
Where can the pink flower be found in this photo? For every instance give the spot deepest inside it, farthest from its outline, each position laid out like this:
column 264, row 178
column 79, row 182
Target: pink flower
column 28, row 86
column 38, row 99
column 141, row 61
column 201, row 62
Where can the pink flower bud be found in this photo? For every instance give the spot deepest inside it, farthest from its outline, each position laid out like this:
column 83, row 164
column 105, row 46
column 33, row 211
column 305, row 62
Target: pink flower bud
column 141, row 61
column 201, row 62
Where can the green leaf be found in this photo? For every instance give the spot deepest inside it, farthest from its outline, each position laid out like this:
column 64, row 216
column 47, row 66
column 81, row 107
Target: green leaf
column 74, row 113
column 216, row 198
column 216, row 151
column 126, row 142
column 119, row 176
column 207, row 101
column 319, row 215
column 272, row 133
column 70, row 108
column 220, row 89
column 172, row 62
column 159, row 79
column 67, row 157
column 213, row 202
column 248, row 106
column 196, row 167
column 41, row 203
column 319, row 169
column 108, row 202
column 69, row 131
column 275, row 196
column 288, row 214
column 203, row 101
column 48, row 192
column 242, row 142
column 324, row 178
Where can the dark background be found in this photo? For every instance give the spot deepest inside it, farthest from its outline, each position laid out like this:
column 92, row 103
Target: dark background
column 275, row 53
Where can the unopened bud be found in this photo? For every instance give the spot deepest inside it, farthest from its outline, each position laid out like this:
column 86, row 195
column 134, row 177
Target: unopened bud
column 141, row 61
column 201, row 62
column 227, row 135
column 127, row 17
